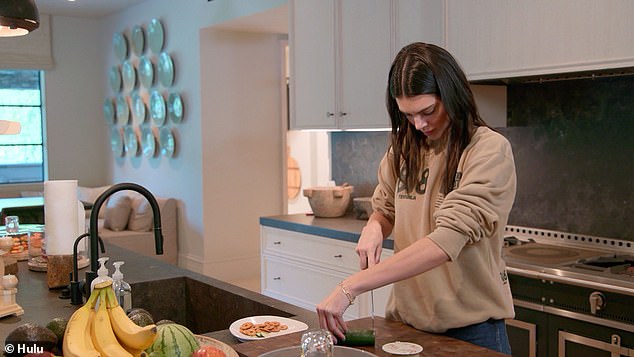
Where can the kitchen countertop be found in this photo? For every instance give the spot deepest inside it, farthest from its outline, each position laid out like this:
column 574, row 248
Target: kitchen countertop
column 346, row 228
column 385, row 331
column 41, row 304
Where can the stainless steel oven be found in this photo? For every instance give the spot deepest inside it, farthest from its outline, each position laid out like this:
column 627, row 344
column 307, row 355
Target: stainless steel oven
column 574, row 294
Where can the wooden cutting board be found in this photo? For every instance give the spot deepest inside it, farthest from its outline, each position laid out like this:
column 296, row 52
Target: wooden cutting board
column 386, row 331
column 294, row 176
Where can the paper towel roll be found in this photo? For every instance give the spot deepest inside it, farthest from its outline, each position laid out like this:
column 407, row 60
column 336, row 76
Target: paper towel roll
column 61, row 214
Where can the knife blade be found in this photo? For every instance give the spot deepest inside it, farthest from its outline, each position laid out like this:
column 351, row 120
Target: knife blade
column 372, row 308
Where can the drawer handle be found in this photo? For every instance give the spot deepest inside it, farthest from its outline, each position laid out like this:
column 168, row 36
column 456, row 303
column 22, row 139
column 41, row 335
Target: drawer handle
column 277, row 278
column 338, row 256
column 277, row 242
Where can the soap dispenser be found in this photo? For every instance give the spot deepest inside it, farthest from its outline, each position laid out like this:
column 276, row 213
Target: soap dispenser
column 122, row 289
column 102, row 273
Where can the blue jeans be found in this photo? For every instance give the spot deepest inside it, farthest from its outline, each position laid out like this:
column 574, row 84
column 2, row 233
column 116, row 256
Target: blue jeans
column 490, row 334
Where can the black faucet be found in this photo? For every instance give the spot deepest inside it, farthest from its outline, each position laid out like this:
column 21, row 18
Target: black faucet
column 77, row 287
column 94, row 216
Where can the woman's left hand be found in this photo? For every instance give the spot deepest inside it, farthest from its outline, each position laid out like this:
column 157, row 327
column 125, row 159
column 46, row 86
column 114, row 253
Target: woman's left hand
column 330, row 312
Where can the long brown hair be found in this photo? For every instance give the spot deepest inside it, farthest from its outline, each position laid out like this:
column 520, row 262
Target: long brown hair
column 421, row 68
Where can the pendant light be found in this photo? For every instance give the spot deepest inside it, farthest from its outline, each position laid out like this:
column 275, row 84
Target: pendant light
column 18, row 17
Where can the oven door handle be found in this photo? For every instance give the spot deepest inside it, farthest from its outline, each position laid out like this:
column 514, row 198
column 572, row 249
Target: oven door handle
column 614, row 347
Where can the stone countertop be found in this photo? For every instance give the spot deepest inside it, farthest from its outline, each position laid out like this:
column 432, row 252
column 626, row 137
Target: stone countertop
column 41, row 304
column 346, row 228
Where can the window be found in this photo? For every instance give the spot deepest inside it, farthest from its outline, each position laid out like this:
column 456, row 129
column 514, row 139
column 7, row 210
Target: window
column 22, row 155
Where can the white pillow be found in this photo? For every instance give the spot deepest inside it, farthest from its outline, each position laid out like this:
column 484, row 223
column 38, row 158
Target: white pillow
column 141, row 216
column 118, row 211
column 89, row 195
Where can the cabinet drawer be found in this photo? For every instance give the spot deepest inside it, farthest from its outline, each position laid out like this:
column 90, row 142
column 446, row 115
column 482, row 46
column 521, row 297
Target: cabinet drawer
column 303, row 285
column 332, row 253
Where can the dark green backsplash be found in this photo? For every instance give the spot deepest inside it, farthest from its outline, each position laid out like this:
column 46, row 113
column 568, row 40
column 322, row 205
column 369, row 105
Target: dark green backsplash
column 573, row 143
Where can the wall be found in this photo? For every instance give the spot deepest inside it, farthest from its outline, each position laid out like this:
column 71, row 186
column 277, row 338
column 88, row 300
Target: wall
column 229, row 122
column 77, row 146
column 573, row 148
column 241, row 146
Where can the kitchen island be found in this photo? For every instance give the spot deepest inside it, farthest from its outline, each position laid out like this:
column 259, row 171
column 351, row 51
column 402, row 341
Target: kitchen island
column 168, row 291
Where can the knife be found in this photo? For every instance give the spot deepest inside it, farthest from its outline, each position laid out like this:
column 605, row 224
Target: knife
column 372, row 308
column 367, row 265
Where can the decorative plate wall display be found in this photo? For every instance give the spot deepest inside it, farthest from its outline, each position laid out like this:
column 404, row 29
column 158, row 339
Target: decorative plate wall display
column 148, row 142
column 175, row 108
column 114, row 77
column 144, row 109
column 155, row 35
column 165, row 69
column 120, row 43
column 138, row 108
column 116, row 141
column 167, row 142
column 123, row 111
column 138, row 40
column 108, row 110
column 157, row 107
column 128, row 73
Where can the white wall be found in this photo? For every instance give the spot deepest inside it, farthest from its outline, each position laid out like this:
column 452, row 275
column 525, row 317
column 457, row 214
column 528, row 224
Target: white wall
column 227, row 165
column 241, row 146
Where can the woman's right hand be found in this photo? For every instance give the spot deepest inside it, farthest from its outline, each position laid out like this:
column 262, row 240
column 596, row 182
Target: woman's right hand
column 370, row 243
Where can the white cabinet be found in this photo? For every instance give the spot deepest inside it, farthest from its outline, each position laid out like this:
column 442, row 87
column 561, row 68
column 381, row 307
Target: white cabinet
column 499, row 39
column 340, row 57
column 341, row 51
column 302, row 269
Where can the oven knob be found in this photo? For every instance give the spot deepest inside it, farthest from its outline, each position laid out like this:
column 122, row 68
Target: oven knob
column 597, row 302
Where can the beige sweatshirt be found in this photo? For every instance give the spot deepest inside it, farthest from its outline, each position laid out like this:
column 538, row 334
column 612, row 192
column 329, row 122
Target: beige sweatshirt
column 468, row 224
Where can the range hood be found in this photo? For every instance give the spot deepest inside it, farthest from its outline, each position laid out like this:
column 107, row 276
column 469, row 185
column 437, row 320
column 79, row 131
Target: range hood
column 592, row 74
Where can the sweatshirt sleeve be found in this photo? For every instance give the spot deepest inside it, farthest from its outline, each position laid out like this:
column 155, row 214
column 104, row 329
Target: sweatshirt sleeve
column 383, row 197
column 481, row 201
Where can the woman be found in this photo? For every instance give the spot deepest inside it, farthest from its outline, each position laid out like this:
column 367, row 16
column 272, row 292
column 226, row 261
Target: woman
column 446, row 186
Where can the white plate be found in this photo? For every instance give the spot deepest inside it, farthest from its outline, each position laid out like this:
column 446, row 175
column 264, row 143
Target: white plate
column 402, row 348
column 148, row 142
column 128, row 72
column 131, row 141
column 165, row 69
column 120, row 43
column 114, row 77
column 155, row 35
column 166, row 141
column 138, row 108
column 116, row 141
column 108, row 110
column 138, row 40
column 293, row 326
column 146, row 72
column 175, row 108
column 157, row 107
column 123, row 110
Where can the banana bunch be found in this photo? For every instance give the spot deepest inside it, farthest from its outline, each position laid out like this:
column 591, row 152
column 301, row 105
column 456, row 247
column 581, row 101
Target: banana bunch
column 105, row 330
